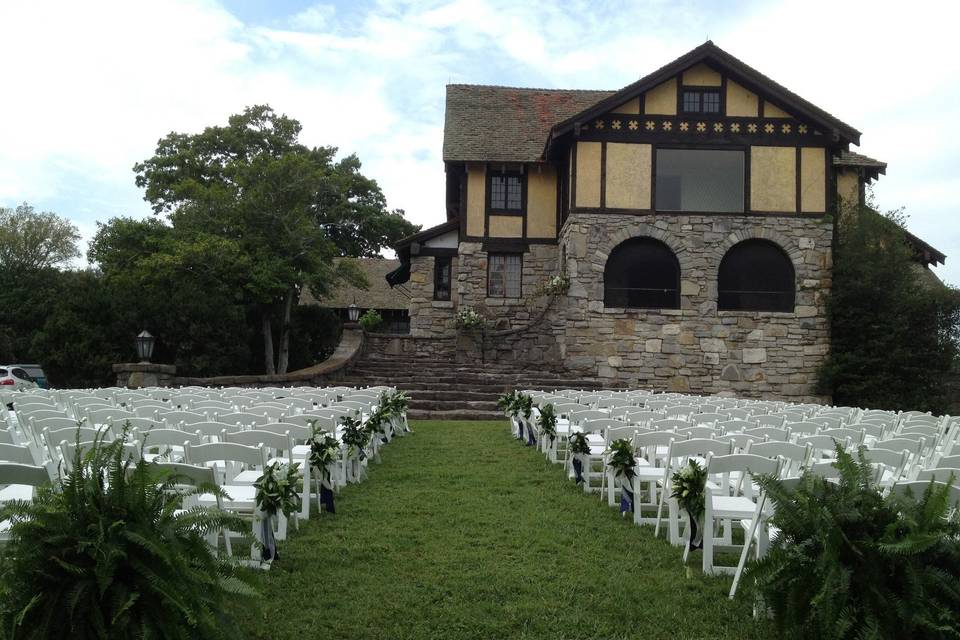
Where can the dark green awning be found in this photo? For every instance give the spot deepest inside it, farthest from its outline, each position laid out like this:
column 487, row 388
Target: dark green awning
column 399, row 275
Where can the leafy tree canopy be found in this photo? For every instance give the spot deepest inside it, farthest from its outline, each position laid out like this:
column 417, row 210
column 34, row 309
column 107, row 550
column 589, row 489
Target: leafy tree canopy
column 32, row 240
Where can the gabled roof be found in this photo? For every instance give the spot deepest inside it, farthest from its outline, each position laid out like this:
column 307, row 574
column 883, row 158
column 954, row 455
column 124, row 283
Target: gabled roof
column 506, row 124
column 742, row 73
column 427, row 234
column 872, row 168
column 378, row 294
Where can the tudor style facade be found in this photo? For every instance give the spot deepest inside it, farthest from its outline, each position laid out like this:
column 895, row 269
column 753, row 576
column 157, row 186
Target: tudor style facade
column 691, row 211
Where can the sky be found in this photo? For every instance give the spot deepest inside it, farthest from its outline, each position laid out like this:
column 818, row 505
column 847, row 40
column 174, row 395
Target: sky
column 88, row 88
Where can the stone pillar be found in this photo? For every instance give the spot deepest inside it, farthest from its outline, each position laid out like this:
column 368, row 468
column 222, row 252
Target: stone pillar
column 134, row 375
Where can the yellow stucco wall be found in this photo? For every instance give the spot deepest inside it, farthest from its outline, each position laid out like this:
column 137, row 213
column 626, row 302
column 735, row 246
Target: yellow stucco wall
column 631, row 106
column 773, row 111
column 628, row 176
column 476, row 198
column 773, row 184
column 813, row 180
column 701, row 76
column 542, row 203
column 848, row 185
column 741, row 102
column 506, row 227
column 662, row 99
column 588, row 174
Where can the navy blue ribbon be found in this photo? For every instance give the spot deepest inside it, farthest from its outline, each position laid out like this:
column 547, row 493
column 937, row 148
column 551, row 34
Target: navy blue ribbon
column 269, row 550
column 326, row 498
column 693, row 533
column 531, row 440
column 519, row 429
column 626, row 497
column 578, row 470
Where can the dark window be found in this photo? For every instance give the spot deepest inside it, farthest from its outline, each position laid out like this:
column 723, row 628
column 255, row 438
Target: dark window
column 701, row 101
column 441, row 278
column 20, row 373
column 756, row 275
column 506, row 192
column 642, row 273
column 504, row 272
column 699, row 180
column 711, row 102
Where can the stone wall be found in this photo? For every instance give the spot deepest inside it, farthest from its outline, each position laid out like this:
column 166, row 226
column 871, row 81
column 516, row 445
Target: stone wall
column 697, row 348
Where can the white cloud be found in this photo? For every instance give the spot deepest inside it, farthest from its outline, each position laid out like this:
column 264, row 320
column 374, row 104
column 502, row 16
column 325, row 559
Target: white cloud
column 95, row 84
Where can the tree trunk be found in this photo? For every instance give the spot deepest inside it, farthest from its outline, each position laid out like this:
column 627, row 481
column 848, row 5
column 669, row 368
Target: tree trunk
column 267, row 341
column 284, row 359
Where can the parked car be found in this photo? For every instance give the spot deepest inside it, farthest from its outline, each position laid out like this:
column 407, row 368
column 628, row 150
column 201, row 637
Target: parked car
column 35, row 372
column 15, row 376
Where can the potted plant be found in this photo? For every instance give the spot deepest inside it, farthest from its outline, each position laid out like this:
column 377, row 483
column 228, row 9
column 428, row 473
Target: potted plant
column 621, row 461
column 278, row 491
column 689, row 484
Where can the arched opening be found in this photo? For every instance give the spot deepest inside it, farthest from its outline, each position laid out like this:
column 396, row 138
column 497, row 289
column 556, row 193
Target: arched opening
column 756, row 275
column 642, row 273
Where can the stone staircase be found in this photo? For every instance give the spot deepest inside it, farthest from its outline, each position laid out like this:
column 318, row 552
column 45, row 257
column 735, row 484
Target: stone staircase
column 447, row 390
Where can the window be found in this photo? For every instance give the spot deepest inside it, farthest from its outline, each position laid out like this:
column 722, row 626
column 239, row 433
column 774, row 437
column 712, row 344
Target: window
column 700, row 180
column 642, row 273
column 504, row 271
column 756, row 275
column 701, row 101
column 441, row 278
column 506, row 192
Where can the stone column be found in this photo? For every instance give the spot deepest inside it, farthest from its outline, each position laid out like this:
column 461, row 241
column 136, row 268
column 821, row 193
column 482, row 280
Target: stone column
column 134, row 375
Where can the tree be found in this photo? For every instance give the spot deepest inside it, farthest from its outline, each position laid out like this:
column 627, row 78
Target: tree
column 894, row 328
column 30, row 241
column 273, row 212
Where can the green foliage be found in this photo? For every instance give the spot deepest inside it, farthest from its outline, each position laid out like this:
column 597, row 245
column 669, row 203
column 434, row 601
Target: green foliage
column 31, row 240
column 689, row 484
column 622, row 458
column 850, row 563
column 394, row 404
column 324, row 448
column 548, row 422
column 469, row 320
column 314, row 335
column 579, row 445
column 278, row 489
column 354, row 436
column 894, row 328
column 515, row 404
column 371, row 320
column 105, row 554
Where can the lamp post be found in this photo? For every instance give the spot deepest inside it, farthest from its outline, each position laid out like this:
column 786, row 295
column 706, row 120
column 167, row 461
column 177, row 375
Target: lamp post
column 353, row 312
column 145, row 342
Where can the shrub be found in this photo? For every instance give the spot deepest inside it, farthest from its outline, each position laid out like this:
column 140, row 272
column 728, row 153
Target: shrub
column 371, row 320
column 850, row 563
column 103, row 553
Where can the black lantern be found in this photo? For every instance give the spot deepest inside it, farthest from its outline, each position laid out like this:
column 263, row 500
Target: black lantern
column 144, row 343
column 353, row 312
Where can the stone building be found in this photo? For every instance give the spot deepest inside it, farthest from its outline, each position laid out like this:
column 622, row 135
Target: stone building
column 691, row 212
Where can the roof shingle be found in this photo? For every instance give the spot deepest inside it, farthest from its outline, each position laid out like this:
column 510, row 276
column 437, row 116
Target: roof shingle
column 379, row 295
column 506, row 124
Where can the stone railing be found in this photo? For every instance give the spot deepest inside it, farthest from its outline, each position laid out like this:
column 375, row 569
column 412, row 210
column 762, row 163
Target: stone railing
column 330, row 370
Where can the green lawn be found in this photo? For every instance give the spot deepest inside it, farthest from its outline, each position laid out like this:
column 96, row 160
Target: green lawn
column 462, row 532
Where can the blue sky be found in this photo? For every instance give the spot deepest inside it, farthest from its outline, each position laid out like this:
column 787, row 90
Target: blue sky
column 91, row 86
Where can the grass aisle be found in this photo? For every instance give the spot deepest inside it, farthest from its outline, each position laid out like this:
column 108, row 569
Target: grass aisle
column 462, row 532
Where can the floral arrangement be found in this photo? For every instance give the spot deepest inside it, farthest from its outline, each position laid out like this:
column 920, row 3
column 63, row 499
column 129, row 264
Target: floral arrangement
column 354, row 436
column 579, row 445
column 547, row 422
column 689, row 484
column 555, row 286
column 394, row 404
column 324, row 448
column 515, row 404
column 469, row 320
column 277, row 489
column 622, row 458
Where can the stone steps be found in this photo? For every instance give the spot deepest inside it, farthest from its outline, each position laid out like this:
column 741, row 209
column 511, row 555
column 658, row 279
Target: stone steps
column 447, row 390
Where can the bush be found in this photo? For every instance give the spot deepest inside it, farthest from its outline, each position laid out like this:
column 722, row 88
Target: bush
column 850, row 563
column 102, row 554
column 893, row 327
column 371, row 320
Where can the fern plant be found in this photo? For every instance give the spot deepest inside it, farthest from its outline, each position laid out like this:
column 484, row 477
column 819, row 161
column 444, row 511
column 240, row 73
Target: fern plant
column 851, row 563
column 105, row 553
